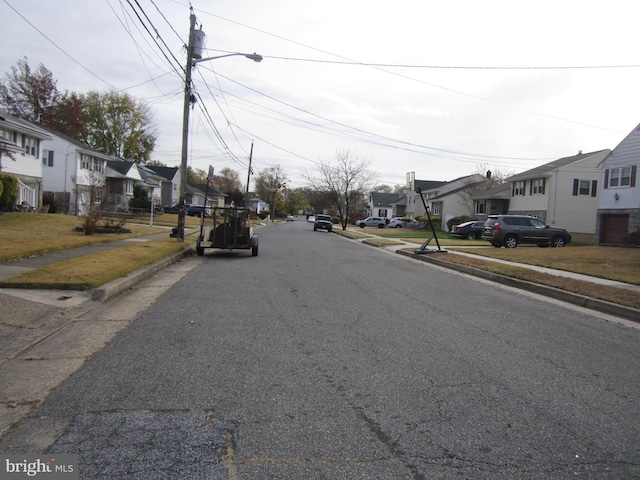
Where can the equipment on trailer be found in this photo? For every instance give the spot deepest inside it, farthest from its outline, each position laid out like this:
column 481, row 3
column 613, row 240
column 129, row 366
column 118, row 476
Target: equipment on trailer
column 230, row 230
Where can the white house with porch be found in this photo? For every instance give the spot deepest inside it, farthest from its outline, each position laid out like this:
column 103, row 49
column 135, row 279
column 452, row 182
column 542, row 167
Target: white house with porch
column 23, row 158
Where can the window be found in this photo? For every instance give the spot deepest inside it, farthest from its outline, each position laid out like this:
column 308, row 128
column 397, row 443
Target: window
column 620, row 177
column 537, row 186
column 585, row 188
column 30, row 146
column 436, row 208
column 518, row 188
column 47, row 158
column 481, row 207
column 84, row 161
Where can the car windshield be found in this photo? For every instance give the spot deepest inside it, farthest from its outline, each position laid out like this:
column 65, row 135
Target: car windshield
column 323, row 217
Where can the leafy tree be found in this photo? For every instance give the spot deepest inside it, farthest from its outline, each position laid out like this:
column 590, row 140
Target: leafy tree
column 28, row 94
column 228, row 180
column 8, row 190
column 295, row 200
column 117, row 124
column 196, row 176
column 67, row 116
column 345, row 180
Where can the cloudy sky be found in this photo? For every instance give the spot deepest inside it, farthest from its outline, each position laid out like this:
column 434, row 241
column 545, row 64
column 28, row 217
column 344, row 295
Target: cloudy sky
column 439, row 88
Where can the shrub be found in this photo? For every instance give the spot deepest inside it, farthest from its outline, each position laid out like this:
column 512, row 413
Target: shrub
column 633, row 238
column 9, row 193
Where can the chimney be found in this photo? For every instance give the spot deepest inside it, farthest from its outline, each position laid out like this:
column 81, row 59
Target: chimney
column 489, row 174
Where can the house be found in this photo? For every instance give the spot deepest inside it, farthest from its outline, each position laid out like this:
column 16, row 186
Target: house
column 407, row 207
column 451, row 199
column 120, row 177
column 196, row 195
column 491, row 201
column 23, row 158
column 258, row 205
column 152, row 181
column 382, row 204
column 72, row 172
column 618, row 214
column 562, row 193
column 170, row 188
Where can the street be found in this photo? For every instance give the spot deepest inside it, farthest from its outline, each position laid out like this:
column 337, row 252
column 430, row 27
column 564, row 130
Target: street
column 325, row 359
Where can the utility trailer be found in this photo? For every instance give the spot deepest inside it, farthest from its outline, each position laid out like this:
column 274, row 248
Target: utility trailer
column 229, row 230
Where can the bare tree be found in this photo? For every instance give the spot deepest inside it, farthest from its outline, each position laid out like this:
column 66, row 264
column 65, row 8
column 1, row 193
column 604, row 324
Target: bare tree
column 26, row 93
column 344, row 179
column 91, row 200
column 268, row 184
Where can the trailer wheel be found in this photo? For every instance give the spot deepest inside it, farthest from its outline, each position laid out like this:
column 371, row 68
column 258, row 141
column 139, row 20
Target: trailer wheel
column 254, row 251
column 199, row 249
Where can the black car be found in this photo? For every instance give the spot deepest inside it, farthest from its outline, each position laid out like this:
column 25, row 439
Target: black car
column 470, row 230
column 510, row 230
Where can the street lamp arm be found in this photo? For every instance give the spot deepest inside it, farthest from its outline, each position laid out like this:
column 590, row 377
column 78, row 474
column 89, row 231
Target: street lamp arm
column 251, row 56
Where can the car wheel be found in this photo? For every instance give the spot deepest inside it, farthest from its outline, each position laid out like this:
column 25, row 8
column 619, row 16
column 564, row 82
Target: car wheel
column 471, row 236
column 315, row 229
column 381, row 225
column 398, row 226
column 329, row 230
column 362, row 225
column 558, row 242
column 254, row 251
column 510, row 241
column 497, row 245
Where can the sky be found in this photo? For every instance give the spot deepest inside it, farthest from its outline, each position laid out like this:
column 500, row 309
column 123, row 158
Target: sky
column 440, row 88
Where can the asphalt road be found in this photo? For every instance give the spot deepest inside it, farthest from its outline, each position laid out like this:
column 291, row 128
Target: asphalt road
column 325, row 359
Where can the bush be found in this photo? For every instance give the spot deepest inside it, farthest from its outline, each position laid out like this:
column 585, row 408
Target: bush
column 633, row 238
column 9, row 193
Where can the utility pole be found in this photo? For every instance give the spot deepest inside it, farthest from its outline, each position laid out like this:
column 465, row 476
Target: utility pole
column 185, row 131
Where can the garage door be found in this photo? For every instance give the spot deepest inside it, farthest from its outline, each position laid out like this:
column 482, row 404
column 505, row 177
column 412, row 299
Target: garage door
column 614, row 228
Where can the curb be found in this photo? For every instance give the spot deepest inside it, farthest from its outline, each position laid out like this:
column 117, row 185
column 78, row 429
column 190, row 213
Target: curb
column 603, row 306
column 119, row 285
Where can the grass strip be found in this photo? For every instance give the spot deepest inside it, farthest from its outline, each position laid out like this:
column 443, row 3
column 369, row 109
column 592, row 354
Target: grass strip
column 615, row 295
column 92, row 271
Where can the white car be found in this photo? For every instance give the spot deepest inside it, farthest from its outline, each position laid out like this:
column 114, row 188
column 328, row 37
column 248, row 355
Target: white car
column 311, row 219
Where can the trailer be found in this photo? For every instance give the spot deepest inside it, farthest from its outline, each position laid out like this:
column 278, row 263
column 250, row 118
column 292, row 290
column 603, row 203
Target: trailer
column 229, row 229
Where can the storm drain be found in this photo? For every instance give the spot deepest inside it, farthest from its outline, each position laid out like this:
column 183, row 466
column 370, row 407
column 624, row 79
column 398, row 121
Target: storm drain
column 147, row 445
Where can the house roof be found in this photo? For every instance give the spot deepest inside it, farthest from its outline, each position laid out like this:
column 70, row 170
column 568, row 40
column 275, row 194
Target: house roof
column 456, row 190
column 165, row 172
column 384, row 199
column 499, row 191
column 428, row 184
column 546, row 169
column 81, row 146
column 201, row 188
column 23, row 126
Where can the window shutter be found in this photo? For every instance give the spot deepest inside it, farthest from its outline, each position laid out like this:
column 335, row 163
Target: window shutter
column 633, row 176
column 575, row 186
column 544, row 185
column 594, row 188
column 606, row 178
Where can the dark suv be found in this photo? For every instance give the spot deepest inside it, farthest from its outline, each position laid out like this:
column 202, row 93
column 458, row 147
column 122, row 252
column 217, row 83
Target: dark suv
column 510, row 230
column 323, row 222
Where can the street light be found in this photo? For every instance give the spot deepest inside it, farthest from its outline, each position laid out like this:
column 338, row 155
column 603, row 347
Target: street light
column 191, row 62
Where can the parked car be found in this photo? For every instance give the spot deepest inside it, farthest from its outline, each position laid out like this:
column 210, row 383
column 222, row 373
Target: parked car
column 311, row 219
column 290, row 218
column 192, row 210
column 398, row 222
column 470, row 230
column 323, row 222
column 510, row 230
column 371, row 222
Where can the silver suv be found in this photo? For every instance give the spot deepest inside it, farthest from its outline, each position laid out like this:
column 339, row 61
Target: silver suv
column 510, row 230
